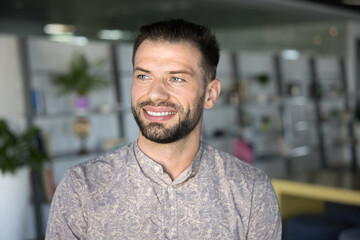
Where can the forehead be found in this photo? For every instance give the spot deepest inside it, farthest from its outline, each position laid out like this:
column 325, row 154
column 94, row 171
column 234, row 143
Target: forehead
column 174, row 51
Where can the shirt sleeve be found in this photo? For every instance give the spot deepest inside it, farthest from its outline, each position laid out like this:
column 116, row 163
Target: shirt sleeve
column 67, row 217
column 265, row 219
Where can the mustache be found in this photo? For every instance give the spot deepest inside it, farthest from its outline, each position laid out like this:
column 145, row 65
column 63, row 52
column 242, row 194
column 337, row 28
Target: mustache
column 164, row 104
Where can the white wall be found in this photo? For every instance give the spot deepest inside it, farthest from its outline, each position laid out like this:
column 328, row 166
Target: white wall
column 15, row 189
column 12, row 106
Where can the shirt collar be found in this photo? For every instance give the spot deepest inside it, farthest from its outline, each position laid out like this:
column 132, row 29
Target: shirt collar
column 155, row 171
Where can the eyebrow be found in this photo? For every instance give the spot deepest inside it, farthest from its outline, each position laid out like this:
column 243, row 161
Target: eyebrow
column 141, row 69
column 182, row 72
column 170, row 72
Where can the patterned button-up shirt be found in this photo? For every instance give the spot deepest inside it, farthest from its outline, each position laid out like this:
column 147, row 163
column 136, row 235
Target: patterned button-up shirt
column 126, row 195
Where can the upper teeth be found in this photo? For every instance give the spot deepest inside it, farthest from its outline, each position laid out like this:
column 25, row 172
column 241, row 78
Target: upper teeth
column 160, row 113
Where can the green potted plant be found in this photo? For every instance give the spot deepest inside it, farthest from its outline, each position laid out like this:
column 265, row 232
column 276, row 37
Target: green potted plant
column 262, row 94
column 82, row 78
column 18, row 150
column 19, row 154
column 263, row 78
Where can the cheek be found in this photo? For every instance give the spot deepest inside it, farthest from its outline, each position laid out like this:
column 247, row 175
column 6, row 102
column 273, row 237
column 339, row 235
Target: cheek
column 188, row 99
column 136, row 92
column 133, row 96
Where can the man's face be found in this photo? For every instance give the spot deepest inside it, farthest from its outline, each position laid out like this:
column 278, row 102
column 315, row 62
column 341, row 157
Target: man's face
column 167, row 90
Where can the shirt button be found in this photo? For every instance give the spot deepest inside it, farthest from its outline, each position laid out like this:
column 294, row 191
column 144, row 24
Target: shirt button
column 170, row 189
column 157, row 168
column 169, row 234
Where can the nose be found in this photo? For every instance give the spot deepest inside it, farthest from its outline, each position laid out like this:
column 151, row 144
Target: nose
column 158, row 91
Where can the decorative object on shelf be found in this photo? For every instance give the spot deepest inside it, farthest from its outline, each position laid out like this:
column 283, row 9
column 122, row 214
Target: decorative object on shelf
column 244, row 150
column 274, row 98
column 334, row 114
column 293, row 89
column 20, row 150
column 316, row 90
column 263, row 79
column 233, row 96
column 284, row 148
column 262, row 93
column 335, row 90
column 82, row 78
column 82, row 129
column 243, row 91
column 265, row 123
column 38, row 101
column 81, row 104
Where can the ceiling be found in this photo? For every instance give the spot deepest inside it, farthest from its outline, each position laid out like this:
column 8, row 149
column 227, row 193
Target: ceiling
column 89, row 16
column 349, row 5
column 239, row 24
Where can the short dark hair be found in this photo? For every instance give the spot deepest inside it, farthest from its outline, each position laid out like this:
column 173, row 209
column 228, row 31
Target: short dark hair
column 177, row 30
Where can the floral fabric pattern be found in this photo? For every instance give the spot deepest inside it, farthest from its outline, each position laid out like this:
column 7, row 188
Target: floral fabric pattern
column 126, row 195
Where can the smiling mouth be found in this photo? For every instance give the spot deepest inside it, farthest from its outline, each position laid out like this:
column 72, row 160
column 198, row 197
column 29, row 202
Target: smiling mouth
column 159, row 114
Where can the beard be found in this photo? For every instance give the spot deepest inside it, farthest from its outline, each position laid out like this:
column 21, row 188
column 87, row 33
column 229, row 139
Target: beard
column 158, row 133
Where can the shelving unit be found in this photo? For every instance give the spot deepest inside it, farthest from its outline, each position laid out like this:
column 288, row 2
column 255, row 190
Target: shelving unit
column 285, row 117
column 223, row 131
column 56, row 114
column 260, row 108
column 299, row 113
column 335, row 113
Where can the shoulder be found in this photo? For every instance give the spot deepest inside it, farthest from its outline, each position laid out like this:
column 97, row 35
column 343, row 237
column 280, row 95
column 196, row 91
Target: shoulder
column 103, row 168
column 234, row 169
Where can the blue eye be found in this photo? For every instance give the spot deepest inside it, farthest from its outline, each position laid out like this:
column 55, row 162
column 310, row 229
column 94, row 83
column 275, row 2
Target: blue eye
column 177, row 80
column 143, row 77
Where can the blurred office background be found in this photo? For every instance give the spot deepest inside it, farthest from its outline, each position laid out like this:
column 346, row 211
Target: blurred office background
column 290, row 101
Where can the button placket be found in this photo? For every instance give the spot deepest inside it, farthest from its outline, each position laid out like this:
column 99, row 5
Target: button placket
column 170, row 213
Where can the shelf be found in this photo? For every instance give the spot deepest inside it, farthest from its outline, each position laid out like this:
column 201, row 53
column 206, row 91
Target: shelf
column 300, row 151
column 269, row 133
column 218, row 106
column 267, row 157
column 332, row 100
column 298, row 100
column 70, row 156
column 335, row 123
column 93, row 112
column 260, row 104
column 337, row 143
column 46, row 72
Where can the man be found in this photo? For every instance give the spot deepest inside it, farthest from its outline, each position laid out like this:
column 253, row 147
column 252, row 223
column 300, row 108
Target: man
column 169, row 184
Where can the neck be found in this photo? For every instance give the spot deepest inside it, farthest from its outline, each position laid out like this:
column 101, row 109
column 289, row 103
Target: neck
column 173, row 157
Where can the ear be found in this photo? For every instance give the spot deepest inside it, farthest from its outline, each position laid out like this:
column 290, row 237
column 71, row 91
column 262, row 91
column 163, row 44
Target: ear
column 212, row 93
